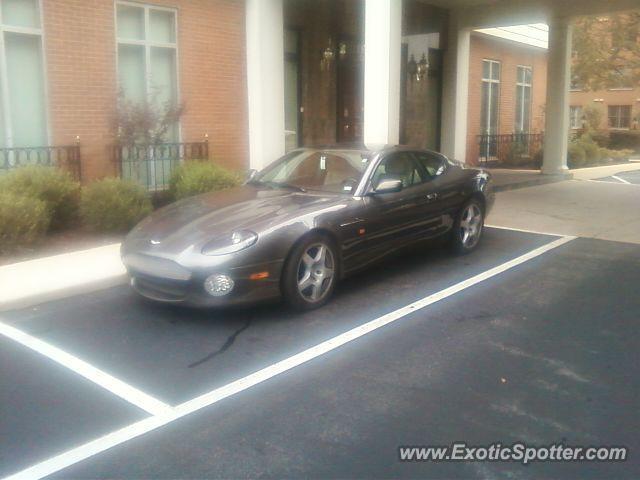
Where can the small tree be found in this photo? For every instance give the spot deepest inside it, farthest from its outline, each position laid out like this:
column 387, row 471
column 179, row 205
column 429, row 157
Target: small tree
column 148, row 122
column 593, row 116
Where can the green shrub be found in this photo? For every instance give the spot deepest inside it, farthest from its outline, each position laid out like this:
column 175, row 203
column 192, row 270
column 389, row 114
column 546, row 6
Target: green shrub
column 577, row 155
column 601, row 137
column 114, row 205
column 624, row 139
column 517, row 155
column 195, row 177
column 592, row 151
column 53, row 186
column 23, row 220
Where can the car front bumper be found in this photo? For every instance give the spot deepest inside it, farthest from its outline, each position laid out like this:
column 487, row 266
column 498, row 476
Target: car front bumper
column 165, row 281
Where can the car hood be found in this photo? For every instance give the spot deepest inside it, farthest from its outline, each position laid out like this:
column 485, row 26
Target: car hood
column 197, row 220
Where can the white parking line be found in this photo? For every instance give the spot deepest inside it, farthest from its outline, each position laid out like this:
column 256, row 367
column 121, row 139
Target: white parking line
column 622, row 180
column 82, row 452
column 97, row 376
column 524, row 230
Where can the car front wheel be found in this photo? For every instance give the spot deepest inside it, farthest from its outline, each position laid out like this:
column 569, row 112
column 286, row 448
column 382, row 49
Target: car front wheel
column 468, row 227
column 310, row 274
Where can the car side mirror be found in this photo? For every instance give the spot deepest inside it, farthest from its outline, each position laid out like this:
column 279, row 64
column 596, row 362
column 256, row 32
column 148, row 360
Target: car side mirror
column 388, row 185
column 251, row 174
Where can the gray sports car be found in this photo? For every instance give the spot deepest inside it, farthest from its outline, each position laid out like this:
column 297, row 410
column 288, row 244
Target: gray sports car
column 297, row 227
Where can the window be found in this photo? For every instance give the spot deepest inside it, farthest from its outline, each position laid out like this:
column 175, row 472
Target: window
column 575, row 117
column 23, row 113
column 620, row 116
column 433, row 163
column 523, row 99
column 621, row 79
column 398, row 166
column 292, row 118
column 147, row 55
column 576, row 84
column 489, row 106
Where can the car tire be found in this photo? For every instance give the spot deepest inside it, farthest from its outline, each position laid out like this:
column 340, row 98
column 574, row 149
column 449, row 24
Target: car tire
column 468, row 227
column 310, row 273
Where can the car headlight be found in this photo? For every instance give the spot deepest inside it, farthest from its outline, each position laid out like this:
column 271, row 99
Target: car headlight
column 230, row 243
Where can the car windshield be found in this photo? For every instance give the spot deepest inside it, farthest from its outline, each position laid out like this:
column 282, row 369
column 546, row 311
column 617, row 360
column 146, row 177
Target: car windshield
column 328, row 171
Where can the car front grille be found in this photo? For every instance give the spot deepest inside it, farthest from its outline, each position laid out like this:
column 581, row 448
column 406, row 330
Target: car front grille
column 160, row 288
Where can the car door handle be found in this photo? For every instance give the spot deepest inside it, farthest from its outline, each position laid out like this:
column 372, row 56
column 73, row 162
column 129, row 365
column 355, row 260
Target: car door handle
column 432, row 196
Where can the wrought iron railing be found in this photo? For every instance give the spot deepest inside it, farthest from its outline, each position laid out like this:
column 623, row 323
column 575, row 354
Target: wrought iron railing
column 510, row 149
column 151, row 165
column 66, row 157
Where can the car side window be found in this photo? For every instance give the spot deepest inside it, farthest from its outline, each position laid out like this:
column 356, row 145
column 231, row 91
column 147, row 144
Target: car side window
column 398, row 165
column 433, row 164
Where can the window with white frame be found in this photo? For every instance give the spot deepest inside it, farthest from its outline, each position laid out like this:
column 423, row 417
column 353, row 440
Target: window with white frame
column 575, row 117
column 23, row 112
column 523, row 99
column 490, row 96
column 620, row 116
column 489, row 105
column 147, row 54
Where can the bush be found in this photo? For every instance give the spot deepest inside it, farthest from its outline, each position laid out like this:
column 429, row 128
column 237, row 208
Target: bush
column 517, row 154
column 195, row 177
column 54, row 187
column 592, row 151
column 23, row 220
column 114, row 205
column 577, row 155
column 601, row 137
column 625, row 139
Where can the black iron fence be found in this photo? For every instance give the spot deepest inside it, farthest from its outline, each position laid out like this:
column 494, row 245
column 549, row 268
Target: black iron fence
column 66, row 157
column 151, row 165
column 515, row 149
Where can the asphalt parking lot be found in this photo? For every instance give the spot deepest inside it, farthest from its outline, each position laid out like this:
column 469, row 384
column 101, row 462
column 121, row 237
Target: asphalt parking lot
column 531, row 338
column 631, row 177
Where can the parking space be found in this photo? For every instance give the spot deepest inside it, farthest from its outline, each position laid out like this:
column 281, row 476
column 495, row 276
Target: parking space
column 45, row 406
column 537, row 351
column 175, row 354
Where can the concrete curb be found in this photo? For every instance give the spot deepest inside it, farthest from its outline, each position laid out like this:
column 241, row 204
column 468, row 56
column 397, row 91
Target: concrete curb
column 72, row 291
column 33, row 282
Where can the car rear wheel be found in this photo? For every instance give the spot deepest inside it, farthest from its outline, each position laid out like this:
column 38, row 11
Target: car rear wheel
column 468, row 227
column 310, row 274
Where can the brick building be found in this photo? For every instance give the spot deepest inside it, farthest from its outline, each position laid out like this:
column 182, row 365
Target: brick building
column 194, row 49
column 507, row 89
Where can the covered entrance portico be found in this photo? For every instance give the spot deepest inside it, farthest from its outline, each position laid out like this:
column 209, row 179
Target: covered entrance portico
column 378, row 72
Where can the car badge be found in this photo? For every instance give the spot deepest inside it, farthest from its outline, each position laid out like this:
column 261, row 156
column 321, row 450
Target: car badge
column 154, row 242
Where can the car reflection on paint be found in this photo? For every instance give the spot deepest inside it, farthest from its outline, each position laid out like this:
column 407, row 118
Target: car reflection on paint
column 309, row 219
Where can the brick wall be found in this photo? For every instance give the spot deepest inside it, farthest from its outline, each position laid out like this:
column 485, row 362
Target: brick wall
column 81, row 72
column 603, row 98
column 510, row 54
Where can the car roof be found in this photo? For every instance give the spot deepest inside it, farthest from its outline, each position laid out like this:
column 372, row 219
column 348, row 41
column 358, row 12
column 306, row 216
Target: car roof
column 361, row 149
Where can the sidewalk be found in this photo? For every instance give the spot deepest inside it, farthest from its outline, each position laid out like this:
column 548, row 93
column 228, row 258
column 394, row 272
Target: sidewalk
column 508, row 179
column 505, row 179
column 29, row 283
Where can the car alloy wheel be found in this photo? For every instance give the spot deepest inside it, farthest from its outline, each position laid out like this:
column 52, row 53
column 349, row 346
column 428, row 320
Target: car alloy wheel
column 316, row 271
column 471, row 224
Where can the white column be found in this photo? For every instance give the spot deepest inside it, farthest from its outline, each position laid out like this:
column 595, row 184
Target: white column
column 556, row 139
column 383, row 30
column 455, row 98
column 265, row 81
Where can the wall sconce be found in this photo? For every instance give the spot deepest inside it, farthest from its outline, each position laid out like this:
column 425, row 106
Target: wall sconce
column 417, row 70
column 327, row 57
column 342, row 50
column 423, row 68
column 412, row 67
